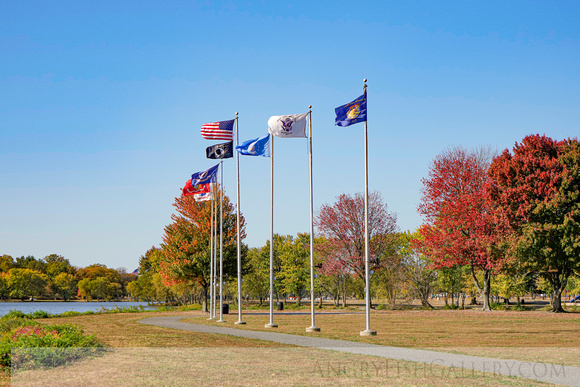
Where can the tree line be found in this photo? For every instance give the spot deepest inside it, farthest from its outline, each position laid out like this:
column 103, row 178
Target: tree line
column 53, row 277
column 512, row 217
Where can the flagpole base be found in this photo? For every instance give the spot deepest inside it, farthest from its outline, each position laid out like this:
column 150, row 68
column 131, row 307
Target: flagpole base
column 271, row 325
column 221, row 321
column 368, row 332
column 240, row 322
column 312, row 329
column 211, row 318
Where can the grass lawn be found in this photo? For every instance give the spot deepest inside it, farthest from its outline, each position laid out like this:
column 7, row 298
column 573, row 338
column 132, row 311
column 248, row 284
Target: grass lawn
column 149, row 355
column 529, row 336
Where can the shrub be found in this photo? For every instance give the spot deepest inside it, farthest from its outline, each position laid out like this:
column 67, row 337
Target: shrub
column 40, row 314
column 190, row 307
column 70, row 313
column 14, row 314
column 9, row 324
column 29, row 345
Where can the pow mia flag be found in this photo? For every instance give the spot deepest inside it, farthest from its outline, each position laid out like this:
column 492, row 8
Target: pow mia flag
column 220, row 151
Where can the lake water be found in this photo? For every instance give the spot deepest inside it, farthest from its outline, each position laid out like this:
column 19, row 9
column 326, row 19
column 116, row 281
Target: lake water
column 56, row 307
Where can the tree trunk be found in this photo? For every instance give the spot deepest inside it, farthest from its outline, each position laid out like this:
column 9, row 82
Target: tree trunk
column 484, row 289
column 425, row 303
column 559, row 282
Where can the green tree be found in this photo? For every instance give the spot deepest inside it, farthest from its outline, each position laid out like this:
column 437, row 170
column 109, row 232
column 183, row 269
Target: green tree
column 257, row 281
column 452, row 281
column 85, row 289
column 4, row 288
column 29, row 262
column 573, row 286
column 294, row 258
column 6, row 263
column 536, row 195
column 65, row 285
column 57, row 264
column 417, row 268
column 26, row 283
column 101, row 288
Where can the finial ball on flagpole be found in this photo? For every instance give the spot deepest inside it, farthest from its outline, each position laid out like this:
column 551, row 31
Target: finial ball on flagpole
column 236, row 113
column 365, row 80
column 309, row 106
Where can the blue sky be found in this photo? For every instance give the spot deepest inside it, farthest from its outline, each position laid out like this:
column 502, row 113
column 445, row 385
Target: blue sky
column 101, row 105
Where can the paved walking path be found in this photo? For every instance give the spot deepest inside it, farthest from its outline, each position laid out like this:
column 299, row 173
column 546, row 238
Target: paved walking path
column 558, row 374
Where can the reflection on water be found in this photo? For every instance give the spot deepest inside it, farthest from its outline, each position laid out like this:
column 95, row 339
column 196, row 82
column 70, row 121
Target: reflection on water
column 57, row 307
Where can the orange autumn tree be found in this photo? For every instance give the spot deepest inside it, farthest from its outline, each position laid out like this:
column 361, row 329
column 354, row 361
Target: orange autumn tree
column 186, row 243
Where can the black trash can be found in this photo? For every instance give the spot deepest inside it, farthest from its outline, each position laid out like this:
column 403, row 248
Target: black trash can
column 280, row 305
column 226, row 308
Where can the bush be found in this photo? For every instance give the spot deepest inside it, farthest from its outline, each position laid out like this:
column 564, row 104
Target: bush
column 190, row 307
column 9, row 324
column 14, row 314
column 40, row 314
column 29, row 345
column 70, row 313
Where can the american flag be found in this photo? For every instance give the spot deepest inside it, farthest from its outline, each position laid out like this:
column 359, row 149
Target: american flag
column 223, row 130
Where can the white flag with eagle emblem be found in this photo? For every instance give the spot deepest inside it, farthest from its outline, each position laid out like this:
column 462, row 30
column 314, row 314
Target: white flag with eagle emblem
column 292, row 125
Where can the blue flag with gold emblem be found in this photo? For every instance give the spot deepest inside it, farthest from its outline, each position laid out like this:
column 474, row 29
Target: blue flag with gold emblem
column 353, row 112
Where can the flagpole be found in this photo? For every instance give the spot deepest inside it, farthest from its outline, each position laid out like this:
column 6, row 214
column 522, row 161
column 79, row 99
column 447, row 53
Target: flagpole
column 211, row 274
column 215, row 253
column 271, row 323
column 240, row 321
column 312, row 327
column 221, row 243
column 367, row 331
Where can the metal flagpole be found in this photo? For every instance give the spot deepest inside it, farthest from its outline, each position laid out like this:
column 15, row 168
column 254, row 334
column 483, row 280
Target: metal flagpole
column 271, row 323
column 367, row 331
column 215, row 252
column 312, row 327
column 221, row 243
column 211, row 279
column 238, row 227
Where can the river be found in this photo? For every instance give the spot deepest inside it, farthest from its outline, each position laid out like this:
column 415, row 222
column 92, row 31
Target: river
column 57, row 307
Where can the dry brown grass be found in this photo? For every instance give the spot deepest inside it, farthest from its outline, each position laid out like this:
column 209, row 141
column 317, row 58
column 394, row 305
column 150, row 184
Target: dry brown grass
column 554, row 337
column 241, row 366
column 174, row 357
column 124, row 330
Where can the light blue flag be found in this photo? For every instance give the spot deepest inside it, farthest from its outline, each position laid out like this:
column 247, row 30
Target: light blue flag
column 256, row 147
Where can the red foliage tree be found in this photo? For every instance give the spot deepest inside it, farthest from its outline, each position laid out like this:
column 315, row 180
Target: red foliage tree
column 536, row 193
column 343, row 227
column 186, row 243
column 459, row 229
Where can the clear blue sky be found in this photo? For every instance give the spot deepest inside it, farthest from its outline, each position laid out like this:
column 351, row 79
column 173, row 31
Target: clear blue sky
column 101, row 105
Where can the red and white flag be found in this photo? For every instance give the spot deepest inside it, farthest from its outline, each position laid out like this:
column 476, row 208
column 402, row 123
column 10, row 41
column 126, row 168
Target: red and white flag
column 188, row 189
column 222, row 130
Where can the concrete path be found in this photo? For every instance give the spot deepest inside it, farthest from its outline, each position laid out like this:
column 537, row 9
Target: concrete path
column 551, row 373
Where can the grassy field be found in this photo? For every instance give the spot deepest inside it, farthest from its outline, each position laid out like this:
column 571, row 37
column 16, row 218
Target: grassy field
column 148, row 355
column 529, row 336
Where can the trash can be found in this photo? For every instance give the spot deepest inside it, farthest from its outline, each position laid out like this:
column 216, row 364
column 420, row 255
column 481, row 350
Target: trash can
column 280, row 305
column 226, row 308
